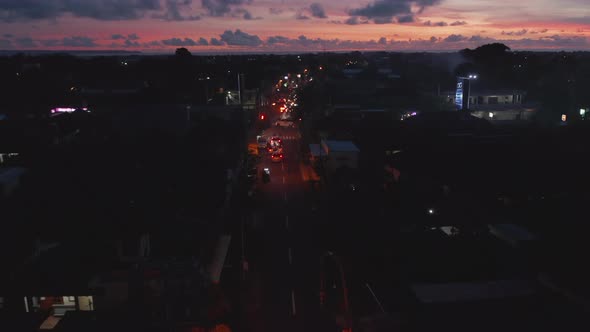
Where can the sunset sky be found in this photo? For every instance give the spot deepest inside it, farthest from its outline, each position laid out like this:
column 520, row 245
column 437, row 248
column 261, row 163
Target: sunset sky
column 290, row 25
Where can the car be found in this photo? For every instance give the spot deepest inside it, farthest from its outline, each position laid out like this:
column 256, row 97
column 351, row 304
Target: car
column 273, row 148
column 276, row 157
column 266, row 175
column 275, row 140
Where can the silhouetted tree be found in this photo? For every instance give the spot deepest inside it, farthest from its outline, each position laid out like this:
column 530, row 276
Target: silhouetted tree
column 487, row 51
column 182, row 53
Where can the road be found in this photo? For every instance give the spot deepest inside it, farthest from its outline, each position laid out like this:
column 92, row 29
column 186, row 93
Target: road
column 280, row 245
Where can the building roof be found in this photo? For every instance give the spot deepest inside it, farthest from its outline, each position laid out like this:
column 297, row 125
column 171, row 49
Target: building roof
column 340, row 146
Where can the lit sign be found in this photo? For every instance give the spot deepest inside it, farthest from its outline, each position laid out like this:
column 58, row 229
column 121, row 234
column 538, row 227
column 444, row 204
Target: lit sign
column 58, row 110
column 459, row 95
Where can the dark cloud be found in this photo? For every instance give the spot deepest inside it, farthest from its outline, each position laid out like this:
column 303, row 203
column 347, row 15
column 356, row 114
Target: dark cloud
column 203, row 42
column 8, row 35
column 51, row 42
column 173, row 9
column 153, row 43
column 275, row 11
column 381, row 11
column 451, row 42
column 131, row 43
column 73, row 41
column 457, row 23
column 240, row 38
column 79, row 41
column 480, row 39
column 216, row 42
column 277, row 40
column 25, row 42
column 353, row 20
column 545, row 30
column 19, row 10
column 317, row 10
column 515, row 33
column 405, row 19
column 383, row 8
column 455, row 38
column 222, row 7
column 435, row 24
column 15, row 10
column 129, row 40
column 179, row 42
column 5, row 43
column 106, row 10
column 245, row 14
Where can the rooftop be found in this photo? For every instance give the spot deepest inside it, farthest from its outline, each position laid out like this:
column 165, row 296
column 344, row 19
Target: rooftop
column 340, row 146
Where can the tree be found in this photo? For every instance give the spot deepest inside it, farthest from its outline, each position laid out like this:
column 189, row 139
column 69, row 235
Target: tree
column 182, row 53
column 487, row 51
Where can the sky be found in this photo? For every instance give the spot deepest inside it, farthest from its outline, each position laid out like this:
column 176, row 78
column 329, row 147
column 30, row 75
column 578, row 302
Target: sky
column 226, row 26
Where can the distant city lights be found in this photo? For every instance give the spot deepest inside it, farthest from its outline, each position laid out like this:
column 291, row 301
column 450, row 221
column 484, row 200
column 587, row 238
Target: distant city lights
column 491, row 115
column 563, row 117
column 582, row 111
column 408, row 115
column 59, row 110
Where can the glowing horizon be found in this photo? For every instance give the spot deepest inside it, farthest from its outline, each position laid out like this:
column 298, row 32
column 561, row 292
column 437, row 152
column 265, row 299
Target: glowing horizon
column 273, row 25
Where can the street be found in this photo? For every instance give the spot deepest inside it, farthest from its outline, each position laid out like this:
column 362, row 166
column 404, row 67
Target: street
column 280, row 247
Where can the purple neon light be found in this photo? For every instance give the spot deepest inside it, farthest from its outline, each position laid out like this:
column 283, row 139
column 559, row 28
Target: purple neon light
column 66, row 109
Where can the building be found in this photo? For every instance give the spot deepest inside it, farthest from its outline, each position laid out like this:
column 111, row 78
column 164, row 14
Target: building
column 339, row 154
column 498, row 106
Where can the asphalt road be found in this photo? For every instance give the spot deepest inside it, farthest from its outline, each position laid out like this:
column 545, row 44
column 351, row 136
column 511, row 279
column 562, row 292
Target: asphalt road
column 280, row 245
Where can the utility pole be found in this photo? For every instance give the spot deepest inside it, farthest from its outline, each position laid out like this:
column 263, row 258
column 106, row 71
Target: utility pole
column 239, row 89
